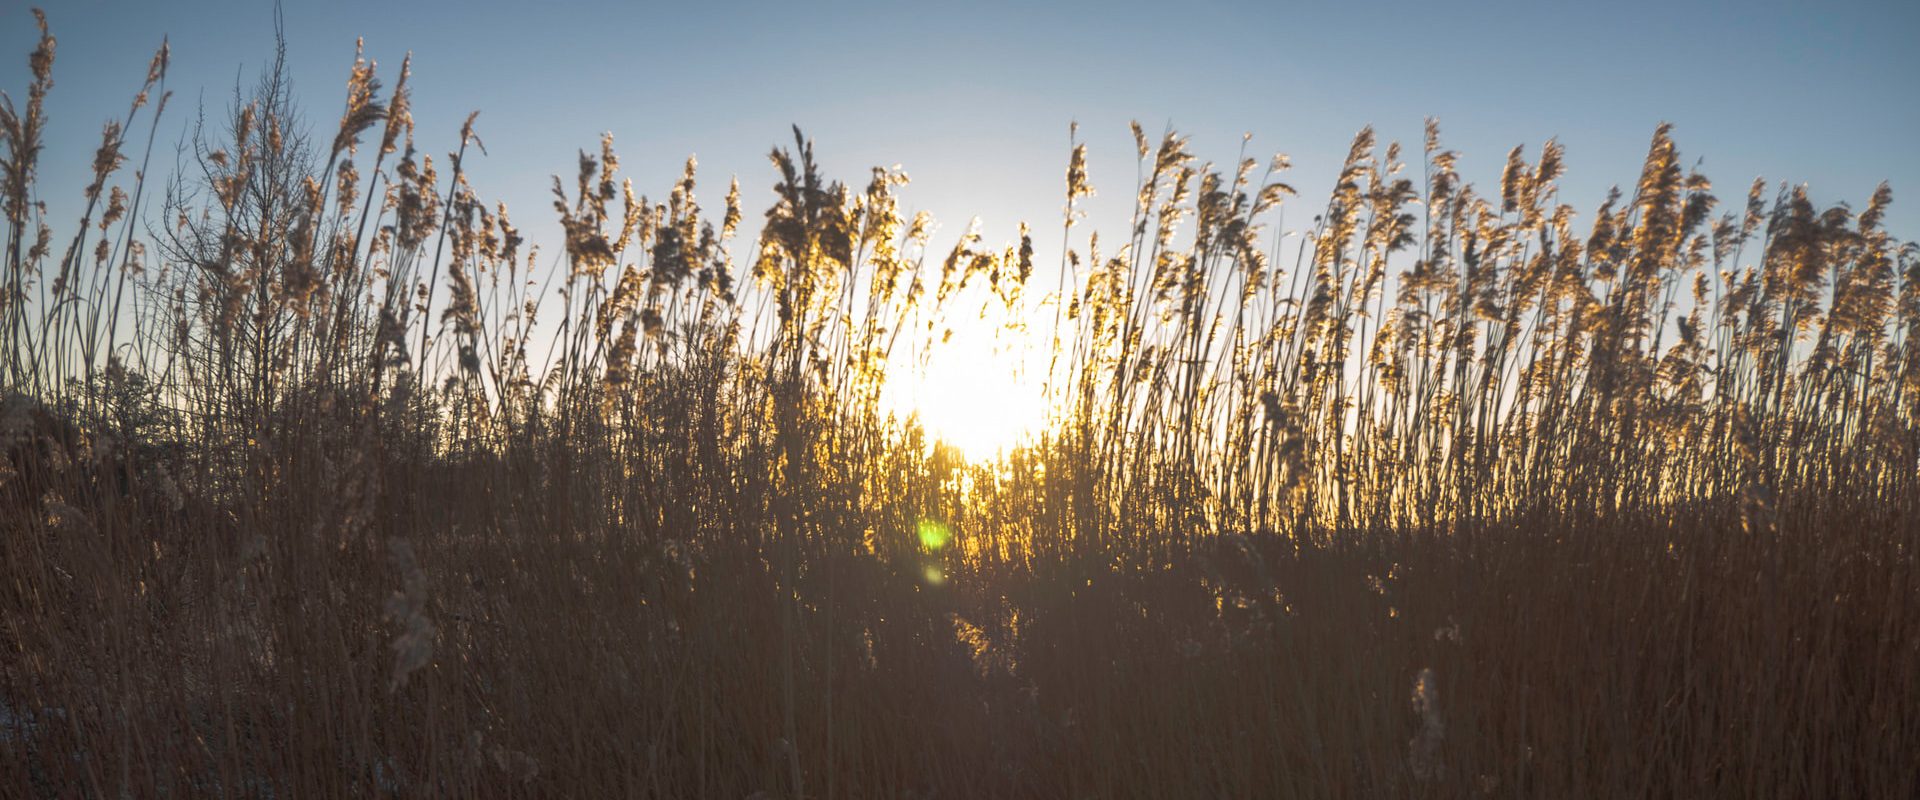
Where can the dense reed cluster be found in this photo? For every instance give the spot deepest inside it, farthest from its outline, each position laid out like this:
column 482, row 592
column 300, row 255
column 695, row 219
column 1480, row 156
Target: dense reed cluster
column 321, row 480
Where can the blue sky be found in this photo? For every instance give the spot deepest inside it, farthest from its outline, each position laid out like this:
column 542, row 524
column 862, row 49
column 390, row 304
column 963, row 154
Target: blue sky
column 974, row 99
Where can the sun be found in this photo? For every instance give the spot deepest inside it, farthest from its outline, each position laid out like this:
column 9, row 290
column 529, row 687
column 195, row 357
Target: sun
column 979, row 391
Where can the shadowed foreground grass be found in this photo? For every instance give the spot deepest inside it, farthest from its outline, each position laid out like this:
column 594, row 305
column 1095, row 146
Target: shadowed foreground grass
column 319, row 482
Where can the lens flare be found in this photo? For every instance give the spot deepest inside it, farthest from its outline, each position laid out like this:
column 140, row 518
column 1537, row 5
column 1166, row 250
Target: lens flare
column 933, row 535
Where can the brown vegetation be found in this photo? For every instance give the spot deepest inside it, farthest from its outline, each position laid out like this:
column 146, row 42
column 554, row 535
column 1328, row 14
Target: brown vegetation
column 313, row 488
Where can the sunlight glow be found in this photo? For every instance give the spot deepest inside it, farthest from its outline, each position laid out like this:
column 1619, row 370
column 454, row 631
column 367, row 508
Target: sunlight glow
column 981, row 391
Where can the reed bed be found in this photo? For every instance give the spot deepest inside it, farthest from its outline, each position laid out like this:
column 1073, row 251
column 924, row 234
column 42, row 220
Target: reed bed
column 321, row 480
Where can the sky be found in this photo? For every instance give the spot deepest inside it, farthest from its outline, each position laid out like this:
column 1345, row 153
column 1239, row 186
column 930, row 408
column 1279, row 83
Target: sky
column 974, row 99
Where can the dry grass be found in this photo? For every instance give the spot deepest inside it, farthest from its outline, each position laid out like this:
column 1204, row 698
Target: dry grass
column 321, row 485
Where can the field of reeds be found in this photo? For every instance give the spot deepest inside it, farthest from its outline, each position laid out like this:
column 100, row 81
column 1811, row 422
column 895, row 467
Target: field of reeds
column 320, row 480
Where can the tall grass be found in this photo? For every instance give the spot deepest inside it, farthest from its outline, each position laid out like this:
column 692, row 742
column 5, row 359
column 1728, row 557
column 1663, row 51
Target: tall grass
column 319, row 481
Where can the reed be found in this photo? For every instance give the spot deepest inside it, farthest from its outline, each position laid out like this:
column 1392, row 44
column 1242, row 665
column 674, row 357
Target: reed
column 321, row 480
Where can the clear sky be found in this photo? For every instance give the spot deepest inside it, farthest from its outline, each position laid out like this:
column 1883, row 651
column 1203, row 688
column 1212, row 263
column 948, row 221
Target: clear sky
column 974, row 99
